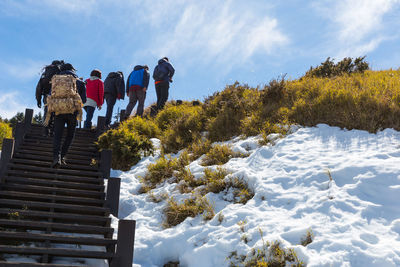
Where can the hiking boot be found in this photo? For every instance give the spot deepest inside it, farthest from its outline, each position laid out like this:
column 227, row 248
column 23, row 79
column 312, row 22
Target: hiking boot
column 56, row 162
column 64, row 161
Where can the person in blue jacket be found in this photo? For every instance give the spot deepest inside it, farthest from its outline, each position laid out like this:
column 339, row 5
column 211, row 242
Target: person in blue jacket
column 136, row 87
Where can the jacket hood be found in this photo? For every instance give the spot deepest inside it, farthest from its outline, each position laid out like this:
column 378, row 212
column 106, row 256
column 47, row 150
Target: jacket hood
column 68, row 72
column 138, row 67
column 113, row 75
column 161, row 61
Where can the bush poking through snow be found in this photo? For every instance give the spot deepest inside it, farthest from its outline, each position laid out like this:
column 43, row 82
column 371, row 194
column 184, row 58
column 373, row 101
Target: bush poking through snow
column 175, row 212
column 158, row 172
column 219, row 155
column 308, row 238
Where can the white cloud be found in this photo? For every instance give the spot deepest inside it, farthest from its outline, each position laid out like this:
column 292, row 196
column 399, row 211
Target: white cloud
column 358, row 26
column 22, row 70
column 11, row 103
column 212, row 31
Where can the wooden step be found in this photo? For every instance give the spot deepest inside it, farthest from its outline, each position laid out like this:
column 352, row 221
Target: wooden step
column 33, row 215
column 49, row 159
column 73, row 151
column 46, row 146
column 39, row 163
column 54, row 183
column 50, row 190
column 53, row 238
column 14, row 166
column 55, row 176
column 56, row 227
column 76, row 140
column 57, row 207
column 50, row 154
column 30, row 264
column 61, row 252
column 52, row 198
column 82, row 144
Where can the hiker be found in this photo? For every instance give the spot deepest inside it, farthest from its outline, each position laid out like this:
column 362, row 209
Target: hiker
column 136, row 87
column 43, row 89
column 66, row 101
column 114, row 88
column 162, row 76
column 94, row 96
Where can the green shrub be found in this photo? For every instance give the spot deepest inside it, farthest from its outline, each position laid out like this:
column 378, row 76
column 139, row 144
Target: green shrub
column 5, row 132
column 199, row 147
column 270, row 254
column 219, row 155
column 214, row 180
column 127, row 147
column 175, row 212
column 330, row 69
column 158, row 172
column 225, row 110
column 142, row 127
column 181, row 125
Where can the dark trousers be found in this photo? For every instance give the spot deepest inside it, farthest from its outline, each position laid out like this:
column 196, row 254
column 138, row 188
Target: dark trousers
column 162, row 94
column 135, row 96
column 110, row 100
column 59, row 122
column 89, row 116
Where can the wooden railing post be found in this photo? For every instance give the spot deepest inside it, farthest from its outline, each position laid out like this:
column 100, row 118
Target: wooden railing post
column 105, row 162
column 125, row 244
column 7, row 152
column 122, row 115
column 112, row 196
column 19, row 133
column 101, row 125
column 28, row 119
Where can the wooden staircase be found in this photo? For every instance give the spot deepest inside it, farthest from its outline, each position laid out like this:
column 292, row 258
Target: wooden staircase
column 48, row 215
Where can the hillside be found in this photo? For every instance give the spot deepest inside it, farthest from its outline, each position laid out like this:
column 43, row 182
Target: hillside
column 250, row 174
column 353, row 217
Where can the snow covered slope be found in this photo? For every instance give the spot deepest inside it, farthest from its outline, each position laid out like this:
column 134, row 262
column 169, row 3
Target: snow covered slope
column 354, row 216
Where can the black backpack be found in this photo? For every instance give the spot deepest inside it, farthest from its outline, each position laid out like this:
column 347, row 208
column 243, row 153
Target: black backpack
column 49, row 72
column 159, row 73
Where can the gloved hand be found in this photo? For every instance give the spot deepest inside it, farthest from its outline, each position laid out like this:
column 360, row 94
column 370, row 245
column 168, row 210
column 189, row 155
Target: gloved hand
column 99, row 108
column 170, row 80
column 39, row 104
column 119, row 96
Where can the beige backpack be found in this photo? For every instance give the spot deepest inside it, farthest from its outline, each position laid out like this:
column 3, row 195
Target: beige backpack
column 64, row 98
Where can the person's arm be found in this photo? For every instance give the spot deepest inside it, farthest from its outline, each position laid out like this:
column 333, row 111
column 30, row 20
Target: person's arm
column 127, row 84
column 101, row 92
column 146, row 79
column 39, row 94
column 171, row 70
column 121, row 87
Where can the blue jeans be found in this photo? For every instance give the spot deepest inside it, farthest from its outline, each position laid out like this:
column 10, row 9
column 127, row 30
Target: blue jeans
column 89, row 116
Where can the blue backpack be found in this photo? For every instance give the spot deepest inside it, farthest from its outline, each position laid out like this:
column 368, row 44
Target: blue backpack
column 136, row 78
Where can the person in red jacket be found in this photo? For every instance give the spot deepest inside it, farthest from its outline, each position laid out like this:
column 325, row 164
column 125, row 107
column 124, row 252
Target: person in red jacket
column 94, row 96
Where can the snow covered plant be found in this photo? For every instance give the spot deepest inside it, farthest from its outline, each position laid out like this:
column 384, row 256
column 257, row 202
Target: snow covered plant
column 220, row 154
column 175, row 212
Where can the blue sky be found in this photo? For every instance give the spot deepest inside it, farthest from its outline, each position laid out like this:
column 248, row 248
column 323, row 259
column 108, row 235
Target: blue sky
column 211, row 43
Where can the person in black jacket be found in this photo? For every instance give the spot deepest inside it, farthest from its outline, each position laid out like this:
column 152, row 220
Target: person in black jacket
column 43, row 89
column 114, row 88
column 136, row 87
column 162, row 76
column 69, row 119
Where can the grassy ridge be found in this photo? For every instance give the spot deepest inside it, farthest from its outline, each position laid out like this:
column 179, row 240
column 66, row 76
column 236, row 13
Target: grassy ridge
column 366, row 101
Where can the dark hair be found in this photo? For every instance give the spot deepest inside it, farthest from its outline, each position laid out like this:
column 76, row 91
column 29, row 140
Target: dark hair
column 146, row 67
column 66, row 66
column 96, row 73
column 166, row 59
